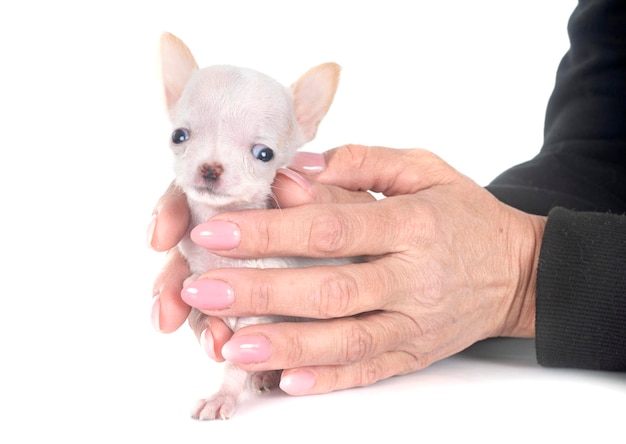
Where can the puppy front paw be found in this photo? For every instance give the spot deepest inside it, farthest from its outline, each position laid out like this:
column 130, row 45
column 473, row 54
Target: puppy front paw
column 218, row 406
column 264, row 381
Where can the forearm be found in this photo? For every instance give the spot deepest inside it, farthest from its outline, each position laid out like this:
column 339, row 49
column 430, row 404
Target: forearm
column 582, row 163
column 580, row 290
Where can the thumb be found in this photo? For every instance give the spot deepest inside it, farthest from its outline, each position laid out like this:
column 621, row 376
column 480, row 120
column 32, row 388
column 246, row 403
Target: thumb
column 292, row 190
column 170, row 220
column 390, row 171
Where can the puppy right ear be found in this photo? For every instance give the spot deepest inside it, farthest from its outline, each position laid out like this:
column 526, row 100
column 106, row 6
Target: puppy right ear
column 313, row 93
column 177, row 65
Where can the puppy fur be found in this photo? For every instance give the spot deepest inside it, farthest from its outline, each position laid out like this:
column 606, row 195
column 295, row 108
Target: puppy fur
column 233, row 128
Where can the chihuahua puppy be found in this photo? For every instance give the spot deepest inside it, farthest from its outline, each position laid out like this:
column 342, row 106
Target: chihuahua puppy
column 233, row 128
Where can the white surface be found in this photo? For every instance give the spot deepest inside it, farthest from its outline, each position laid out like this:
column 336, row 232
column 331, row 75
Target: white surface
column 84, row 158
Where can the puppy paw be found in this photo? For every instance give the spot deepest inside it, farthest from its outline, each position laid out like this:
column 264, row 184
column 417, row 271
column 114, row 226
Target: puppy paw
column 219, row 406
column 263, row 381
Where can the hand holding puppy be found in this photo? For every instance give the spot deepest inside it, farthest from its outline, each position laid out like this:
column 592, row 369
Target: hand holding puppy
column 448, row 265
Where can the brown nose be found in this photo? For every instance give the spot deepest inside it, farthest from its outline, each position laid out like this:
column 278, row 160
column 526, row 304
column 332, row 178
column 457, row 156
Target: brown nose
column 211, row 171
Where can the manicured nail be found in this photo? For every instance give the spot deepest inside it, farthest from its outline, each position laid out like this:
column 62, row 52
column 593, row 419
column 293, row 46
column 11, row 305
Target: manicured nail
column 308, row 163
column 155, row 314
column 247, row 350
column 150, row 230
column 216, row 235
column 297, row 179
column 297, row 383
column 206, row 340
column 208, row 294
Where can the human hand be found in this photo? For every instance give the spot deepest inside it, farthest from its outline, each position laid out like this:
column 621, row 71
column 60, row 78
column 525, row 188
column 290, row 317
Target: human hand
column 169, row 224
column 448, row 265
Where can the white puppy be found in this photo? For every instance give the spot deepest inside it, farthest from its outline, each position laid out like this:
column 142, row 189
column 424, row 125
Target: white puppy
column 232, row 129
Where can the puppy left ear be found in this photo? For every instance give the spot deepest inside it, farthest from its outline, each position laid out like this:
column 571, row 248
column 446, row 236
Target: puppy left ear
column 313, row 93
column 177, row 65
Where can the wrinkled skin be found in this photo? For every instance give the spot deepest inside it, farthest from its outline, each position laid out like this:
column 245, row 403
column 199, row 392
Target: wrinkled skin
column 447, row 265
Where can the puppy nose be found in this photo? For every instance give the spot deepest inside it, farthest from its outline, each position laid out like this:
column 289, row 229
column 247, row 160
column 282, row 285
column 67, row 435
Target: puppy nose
column 211, row 171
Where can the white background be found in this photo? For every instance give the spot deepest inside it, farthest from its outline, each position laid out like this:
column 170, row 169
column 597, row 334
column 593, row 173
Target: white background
column 84, row 158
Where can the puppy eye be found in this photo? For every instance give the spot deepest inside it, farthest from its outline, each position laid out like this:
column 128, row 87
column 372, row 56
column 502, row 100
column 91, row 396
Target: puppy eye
column 262, row 153
column 180, row 135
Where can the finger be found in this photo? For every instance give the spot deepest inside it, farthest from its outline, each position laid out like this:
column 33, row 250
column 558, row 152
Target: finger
column 386, row 170
column 324, row 379
column 215, row 336
column 323, row 292
column 327, row 343
column 292, row 190
column 323, row 230
column 170, row 220
column 169, row 311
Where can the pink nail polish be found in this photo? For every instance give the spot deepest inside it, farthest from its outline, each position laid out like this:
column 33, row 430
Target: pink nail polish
column 206, row 340
column 308, row 163
column 297, row 383
column 208, row 294
column 297, row 179
column 247, row 350
column 155, row 314
column 216, row 235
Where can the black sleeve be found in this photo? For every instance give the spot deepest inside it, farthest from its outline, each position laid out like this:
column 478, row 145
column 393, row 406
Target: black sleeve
column 582, row 164
column 581, row 291
column 579, row 180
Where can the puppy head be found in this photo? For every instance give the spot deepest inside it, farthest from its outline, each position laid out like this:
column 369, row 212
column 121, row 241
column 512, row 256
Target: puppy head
column 234, row 127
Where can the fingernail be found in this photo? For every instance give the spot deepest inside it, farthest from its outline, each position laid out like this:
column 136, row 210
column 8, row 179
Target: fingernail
column 216, row 235
column 206, row 340
column 150, row 230
column 308, row 163
column 297, row 383
column 155, row 313
column 208, row 294
column 247, row 350
column 297, row 179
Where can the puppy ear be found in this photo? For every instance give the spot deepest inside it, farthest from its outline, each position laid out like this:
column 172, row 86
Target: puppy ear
column 177, row 65
column 313, row 93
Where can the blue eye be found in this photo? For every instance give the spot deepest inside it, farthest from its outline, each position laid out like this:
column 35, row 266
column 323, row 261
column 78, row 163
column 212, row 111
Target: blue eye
column 262, row 153
column 180, row 135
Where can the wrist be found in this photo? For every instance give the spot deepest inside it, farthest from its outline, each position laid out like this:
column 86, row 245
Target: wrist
column 520, row 319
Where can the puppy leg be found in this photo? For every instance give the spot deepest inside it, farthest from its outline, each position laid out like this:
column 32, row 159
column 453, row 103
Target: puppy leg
column 222, row 404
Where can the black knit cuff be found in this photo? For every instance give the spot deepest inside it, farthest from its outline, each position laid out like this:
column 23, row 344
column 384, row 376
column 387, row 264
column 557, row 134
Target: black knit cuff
column 581, row 291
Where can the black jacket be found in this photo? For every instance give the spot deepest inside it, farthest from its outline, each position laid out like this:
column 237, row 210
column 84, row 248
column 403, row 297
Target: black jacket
column 579, row 180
